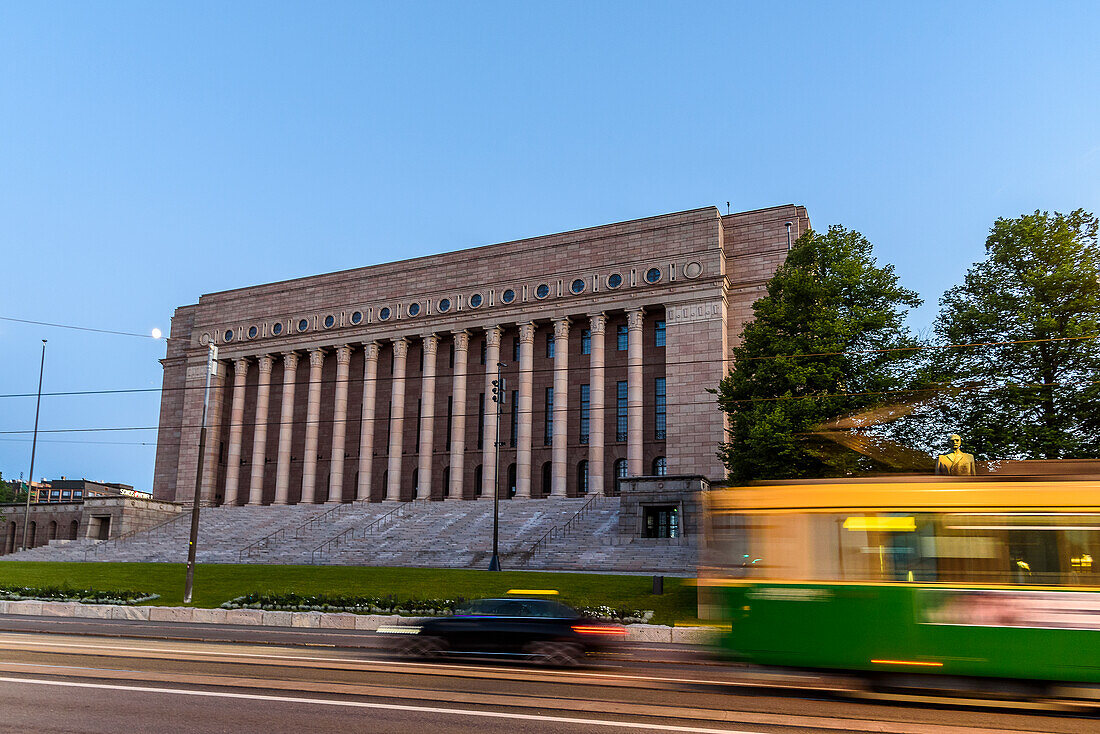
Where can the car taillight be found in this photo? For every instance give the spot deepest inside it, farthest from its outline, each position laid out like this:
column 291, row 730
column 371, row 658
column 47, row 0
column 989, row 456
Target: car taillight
column 599, row 629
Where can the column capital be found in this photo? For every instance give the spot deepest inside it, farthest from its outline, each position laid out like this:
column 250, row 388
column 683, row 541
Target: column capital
column 343, row 354
column 317, row 357
column 527, row 332
column 370, row 351
column 634, row 318
column 462, row 340
column 240, row 366
column 401, row 347
column 266, row 363
column 598, row 322
column 492, row 336
column 431, row 344
column 561, row 327
column 290, row 359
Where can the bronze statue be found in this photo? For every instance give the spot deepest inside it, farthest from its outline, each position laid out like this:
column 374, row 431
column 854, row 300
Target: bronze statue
column 957, row 463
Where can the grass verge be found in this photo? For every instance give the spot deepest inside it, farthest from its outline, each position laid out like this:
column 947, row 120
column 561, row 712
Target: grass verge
column 216, row 583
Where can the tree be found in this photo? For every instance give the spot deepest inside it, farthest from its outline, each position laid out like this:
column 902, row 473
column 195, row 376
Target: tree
column 825, row 327
column 1034, row 394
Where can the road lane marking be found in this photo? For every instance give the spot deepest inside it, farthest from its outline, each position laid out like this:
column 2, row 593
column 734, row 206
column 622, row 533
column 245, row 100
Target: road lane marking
column 390, row 707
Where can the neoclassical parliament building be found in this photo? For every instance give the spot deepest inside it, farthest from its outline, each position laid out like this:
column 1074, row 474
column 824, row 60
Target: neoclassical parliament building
column 377, row 383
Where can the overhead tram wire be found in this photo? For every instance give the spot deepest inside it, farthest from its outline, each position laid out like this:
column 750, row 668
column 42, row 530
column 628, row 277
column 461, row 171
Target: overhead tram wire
column 543, row 370
column 81, row 328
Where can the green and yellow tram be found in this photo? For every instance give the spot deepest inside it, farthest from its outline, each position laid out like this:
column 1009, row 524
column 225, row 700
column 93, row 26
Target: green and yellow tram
column 966, row 577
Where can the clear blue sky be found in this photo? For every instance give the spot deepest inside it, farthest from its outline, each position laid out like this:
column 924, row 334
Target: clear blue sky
column 153, row 152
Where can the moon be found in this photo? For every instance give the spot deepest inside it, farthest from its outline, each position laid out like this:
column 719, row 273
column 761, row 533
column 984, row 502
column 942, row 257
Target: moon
column 156, row 333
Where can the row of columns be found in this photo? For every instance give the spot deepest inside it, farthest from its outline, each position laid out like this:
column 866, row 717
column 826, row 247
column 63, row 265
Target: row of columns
column 559, row 463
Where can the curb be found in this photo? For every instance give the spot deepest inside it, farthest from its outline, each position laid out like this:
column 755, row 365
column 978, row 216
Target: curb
column 652, row 633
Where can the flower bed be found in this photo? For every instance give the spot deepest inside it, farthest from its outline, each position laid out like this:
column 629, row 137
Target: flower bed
column 64, row 593
column 394, row 605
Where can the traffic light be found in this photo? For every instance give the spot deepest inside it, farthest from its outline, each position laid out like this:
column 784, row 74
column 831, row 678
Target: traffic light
column 499, row 393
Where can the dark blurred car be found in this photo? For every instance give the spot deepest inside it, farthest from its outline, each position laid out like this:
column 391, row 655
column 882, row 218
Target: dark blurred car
column 542, row 630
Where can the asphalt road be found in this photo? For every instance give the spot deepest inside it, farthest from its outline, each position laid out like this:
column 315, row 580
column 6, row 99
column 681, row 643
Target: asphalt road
column 60, row 675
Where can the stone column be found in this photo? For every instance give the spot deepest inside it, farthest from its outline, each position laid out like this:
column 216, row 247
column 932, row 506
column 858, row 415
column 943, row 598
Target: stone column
column 634, row 424
column 458, row 413
column 313, row 426
column 397, row 419
column 488, row 456
column 526, row 387
column 259, row 437
column 366, row 428
column 597, row 408
column 236, row 428
column 213, row 434
column 286, row 426
column 427, row 418
column 559, row 461
column 339, row 426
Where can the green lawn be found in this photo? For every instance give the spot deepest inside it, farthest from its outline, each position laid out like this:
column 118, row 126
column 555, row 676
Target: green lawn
column 215, row 583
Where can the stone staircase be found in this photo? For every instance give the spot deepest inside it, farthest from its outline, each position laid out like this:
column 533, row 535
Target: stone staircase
column 555, row 533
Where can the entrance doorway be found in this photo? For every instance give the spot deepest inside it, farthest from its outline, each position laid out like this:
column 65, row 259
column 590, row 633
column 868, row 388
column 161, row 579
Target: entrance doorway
column 662, row 521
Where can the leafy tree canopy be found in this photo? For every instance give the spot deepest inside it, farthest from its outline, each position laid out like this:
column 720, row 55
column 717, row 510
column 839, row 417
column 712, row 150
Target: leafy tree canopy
column 827, row 326
column 1026, row 396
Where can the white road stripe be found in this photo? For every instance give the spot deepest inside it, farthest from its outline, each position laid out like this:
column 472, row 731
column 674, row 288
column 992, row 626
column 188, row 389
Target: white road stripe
column 385, row 706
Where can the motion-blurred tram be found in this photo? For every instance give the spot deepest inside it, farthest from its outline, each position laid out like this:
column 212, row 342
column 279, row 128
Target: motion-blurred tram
column 962, row 577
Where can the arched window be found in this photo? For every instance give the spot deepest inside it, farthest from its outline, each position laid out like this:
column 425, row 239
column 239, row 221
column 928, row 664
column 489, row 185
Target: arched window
column 582, row 477
column 660, row 466
column 415, row 483
column 33, row 534
column 546, row 474
column 477, row 480
column 446, row 481
column 74, row 528
column 11, row 537
column 511, row 480
column 385, row 483
column 620, row 474
column 53, row 530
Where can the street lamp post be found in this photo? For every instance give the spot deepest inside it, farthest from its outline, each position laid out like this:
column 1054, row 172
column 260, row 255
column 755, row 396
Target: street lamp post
column 498, row 398
column 211, row 369
column 34, row 445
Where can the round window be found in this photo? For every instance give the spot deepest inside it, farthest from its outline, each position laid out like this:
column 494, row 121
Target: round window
column 577, row 286
column 508, row 296
column 414, row 309
column 303, row 324
column 475, row 300
column 542, row 291
column 652, row 275
column 329, row 321
column 252, row 332
column 277, row 328
column 229, row 335
column 614, row 280
column 384, row 313
column 356, row 317
column 444, row 305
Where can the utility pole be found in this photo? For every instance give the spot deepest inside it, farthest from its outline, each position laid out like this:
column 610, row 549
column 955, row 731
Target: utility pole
column 498, row 398
column 211, row 369
column 34, row 445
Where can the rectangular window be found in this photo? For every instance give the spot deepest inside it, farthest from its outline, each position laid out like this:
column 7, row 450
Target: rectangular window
column 659, row 408
column 515, row 350
column 659, row 333
column 548, row 433
column 78, row 494
column 418, row 409
column 421, row 367
column 481, row 420
column 549, row 346
column 586, row 341
column 620, row 411
column 621, row 336
column 484, row 347
column 515, row 418
column 451, row 358
column 585, row 404
column 450, row 418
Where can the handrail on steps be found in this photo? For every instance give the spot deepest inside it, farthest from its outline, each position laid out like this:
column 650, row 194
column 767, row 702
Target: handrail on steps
column 366, row 530
column 563, row 529
column 270, row 540
column 153, row 529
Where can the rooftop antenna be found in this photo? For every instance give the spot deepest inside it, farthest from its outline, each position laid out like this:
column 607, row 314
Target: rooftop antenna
column 788, row 225
column 727, row 207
